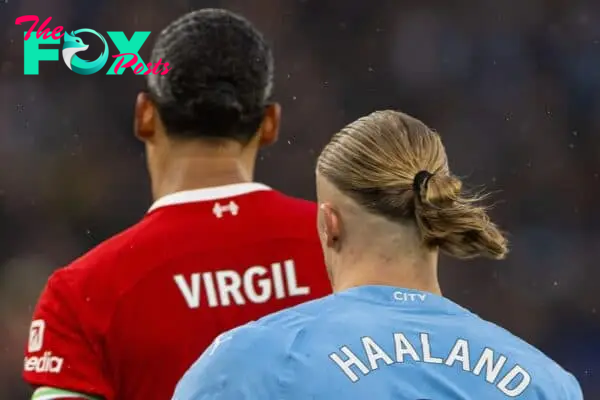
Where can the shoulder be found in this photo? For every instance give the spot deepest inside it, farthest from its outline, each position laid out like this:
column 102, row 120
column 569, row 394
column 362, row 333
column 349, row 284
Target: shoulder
column 110, row 263
column 245, row 363
column 241, row 347
column 281, row 329
column 254, row 361
column 513, row 343
column 100, row 276
column 300, row 316
column 247, row 340
column 545, row 372
column 293, row 206
column 292, row 328
column 285, row 216
column 113, row 248
column 570, row 387
column 286, row 326
column 258, row 345
column 301, row 205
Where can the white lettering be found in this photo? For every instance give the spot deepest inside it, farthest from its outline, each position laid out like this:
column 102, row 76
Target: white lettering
column 229, row 283
column 404, row 347
column 264, row 284
column 209, row 287
column 401, row 296
column 509, row 379
column 375, row 353
column 352, row 360
column 290, row 275
column 491, row 369
column 47, row 363
column 278, row 280
column 191, row 293
column 513, row 384
column 460, row 352
column 257, row 284
column 427, row 350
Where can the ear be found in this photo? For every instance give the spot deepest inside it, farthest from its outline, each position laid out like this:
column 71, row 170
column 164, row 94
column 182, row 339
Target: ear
column 331, row 225
column 269, row 128
column 144, row 123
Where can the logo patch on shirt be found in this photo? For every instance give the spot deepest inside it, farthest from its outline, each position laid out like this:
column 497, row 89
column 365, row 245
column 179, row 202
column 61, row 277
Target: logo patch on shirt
column 46, row 363
column 408, row 297
column 36, row 335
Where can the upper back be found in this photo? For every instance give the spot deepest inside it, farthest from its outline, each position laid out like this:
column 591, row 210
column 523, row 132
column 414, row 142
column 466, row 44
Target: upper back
column 199, row 263
column 391, row 343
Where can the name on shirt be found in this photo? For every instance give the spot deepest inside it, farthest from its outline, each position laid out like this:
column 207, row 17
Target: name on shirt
column 488, row 364
column 257, row 284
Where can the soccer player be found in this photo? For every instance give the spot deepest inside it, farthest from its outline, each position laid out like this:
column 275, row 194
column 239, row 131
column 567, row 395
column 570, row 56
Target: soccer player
column 388, row 205
column 215, row 250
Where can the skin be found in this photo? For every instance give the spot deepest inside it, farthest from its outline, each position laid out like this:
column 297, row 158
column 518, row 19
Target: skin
column 362, row 248
column 176, row 164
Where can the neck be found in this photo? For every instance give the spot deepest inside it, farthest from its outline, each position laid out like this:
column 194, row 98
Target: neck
column 419, row 276
column 186, row 169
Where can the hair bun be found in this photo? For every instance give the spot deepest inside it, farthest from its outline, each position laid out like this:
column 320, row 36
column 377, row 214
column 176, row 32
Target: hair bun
column 373, row 161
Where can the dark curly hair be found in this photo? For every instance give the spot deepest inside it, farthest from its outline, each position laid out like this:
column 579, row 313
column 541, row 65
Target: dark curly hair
column 220, row 79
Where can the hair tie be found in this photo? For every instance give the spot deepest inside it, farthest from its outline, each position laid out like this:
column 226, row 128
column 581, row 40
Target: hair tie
column 421, row 179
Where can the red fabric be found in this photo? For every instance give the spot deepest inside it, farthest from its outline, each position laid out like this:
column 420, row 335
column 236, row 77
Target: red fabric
column 120, row 323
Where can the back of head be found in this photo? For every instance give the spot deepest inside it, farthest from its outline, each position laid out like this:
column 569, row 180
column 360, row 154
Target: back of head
column 394, row 166
column 220, row 78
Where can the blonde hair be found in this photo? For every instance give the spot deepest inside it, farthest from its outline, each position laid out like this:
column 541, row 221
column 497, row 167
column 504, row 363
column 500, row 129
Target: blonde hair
column 394, row 165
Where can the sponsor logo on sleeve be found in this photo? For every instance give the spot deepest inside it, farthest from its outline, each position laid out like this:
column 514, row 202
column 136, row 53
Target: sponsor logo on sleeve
column 36, row 335
column 45, row 363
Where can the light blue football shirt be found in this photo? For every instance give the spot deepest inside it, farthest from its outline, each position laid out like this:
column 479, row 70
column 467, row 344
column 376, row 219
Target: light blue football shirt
column 375, row 342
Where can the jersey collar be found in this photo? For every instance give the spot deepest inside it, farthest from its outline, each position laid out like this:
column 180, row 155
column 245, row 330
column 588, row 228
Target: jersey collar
column 208, row 194
column 407, row 299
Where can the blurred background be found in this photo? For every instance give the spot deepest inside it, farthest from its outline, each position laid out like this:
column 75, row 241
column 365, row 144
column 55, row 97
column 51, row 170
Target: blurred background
column 513, row 87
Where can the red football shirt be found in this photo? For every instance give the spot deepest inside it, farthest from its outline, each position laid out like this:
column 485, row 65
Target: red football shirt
column 127, row 319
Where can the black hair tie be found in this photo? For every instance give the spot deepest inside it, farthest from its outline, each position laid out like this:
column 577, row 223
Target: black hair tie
column 420, row 181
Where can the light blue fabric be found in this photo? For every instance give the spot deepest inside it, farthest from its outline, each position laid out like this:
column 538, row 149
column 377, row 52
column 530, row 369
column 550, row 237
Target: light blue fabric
column 379, row 343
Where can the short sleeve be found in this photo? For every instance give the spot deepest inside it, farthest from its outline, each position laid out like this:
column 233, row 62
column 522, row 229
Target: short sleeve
column 59, row 354
column 242, row 364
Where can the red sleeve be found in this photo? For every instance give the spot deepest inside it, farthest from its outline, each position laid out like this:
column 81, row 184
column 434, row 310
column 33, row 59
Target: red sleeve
column 59, row 353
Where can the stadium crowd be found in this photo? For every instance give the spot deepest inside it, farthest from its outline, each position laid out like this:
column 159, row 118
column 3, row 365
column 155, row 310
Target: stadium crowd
column 512, row 87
